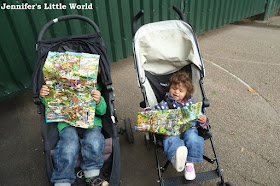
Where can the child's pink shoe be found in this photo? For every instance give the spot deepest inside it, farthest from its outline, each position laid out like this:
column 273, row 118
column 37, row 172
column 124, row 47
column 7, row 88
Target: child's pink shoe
column 179, row 160
column 189, row 171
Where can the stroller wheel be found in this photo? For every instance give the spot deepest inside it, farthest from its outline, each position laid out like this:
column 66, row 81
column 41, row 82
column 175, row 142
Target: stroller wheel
column 225, row 184
column 128, row 130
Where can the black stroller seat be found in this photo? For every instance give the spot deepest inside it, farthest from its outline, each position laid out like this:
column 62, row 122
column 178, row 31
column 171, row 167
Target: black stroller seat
column 87, row 43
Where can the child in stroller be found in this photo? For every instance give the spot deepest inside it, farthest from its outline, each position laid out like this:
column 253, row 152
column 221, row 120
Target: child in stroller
column 67, row 148
column 189, row 148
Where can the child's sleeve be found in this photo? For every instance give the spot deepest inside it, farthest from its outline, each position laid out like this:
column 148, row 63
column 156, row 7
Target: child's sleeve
column 161, row 106
column 43, row 100
column 101, row 107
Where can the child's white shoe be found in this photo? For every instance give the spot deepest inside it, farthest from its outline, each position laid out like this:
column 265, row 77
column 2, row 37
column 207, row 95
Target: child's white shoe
column 179, row 160
column 189, row 171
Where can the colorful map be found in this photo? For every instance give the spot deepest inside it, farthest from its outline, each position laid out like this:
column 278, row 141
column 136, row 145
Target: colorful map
column 71, row 77
column 168, row 122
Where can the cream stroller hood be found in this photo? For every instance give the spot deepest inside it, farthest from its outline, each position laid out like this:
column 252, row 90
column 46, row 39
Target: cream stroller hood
column 169, row 45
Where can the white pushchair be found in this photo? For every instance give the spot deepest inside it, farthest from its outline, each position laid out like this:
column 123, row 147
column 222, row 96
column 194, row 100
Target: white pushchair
column 160, row 49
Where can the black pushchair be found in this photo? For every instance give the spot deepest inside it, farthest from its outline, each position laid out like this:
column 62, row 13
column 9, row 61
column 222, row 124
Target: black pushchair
column 88, row 43
column 160, row 49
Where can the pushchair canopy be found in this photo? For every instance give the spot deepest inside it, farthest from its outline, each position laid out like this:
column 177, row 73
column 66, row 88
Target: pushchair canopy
column 168, row 44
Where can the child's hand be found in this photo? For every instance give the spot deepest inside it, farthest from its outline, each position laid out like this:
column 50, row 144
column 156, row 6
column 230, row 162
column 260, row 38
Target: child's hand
column 202, row 119
column 44, row 91
column 96, row 96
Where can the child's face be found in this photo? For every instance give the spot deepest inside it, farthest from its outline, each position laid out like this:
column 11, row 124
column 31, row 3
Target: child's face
column 178, row 91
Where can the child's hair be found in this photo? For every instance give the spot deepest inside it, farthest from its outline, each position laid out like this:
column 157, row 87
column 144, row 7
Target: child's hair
column 184, row 78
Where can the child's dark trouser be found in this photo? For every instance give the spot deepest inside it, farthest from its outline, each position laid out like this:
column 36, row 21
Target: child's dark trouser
column 67, row 150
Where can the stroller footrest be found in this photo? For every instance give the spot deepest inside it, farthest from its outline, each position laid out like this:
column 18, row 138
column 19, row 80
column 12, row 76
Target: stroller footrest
column 203, row 176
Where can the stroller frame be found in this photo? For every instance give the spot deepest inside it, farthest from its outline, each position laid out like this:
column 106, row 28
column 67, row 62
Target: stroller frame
column 151, row 138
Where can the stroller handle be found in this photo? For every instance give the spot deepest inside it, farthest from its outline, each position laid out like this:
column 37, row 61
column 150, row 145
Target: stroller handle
column 179, row 12
column 64, row 18
column 141, row 13
column 135, row 19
